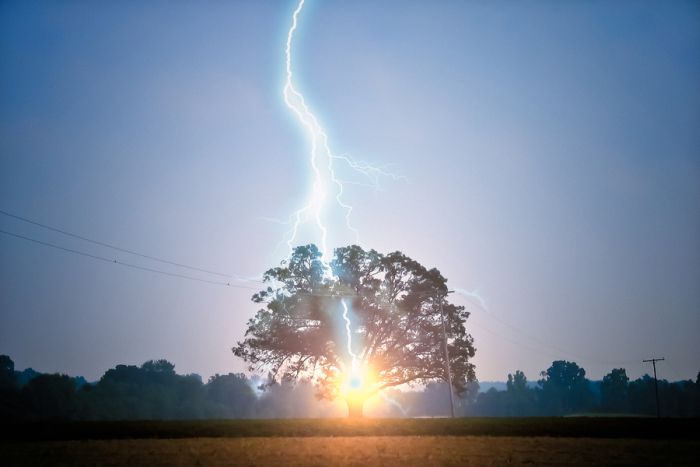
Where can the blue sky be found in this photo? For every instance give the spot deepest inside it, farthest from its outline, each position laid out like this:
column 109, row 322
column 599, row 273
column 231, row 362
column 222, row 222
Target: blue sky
column 551, row 149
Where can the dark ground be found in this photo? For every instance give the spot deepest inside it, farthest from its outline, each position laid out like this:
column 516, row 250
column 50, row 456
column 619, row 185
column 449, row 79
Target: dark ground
column 405, row 442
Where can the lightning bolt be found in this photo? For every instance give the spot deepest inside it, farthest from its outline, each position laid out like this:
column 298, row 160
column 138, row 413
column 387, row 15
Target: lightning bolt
column 326, row 185
column 319, row 150
column 473, row 294
column 348, row 333
column 327, row 189
column 372, row 172
column 394, row 403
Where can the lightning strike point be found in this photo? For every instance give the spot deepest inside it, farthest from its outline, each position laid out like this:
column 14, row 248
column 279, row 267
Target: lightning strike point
column 327, row 188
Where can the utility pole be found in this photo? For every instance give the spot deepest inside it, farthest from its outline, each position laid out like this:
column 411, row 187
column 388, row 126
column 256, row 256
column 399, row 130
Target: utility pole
column 447, row 354
column 656, row 382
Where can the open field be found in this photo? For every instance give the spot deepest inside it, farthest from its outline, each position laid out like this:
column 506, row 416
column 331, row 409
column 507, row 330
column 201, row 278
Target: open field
column 537, row 441
column 357, row 450
column 577, row 427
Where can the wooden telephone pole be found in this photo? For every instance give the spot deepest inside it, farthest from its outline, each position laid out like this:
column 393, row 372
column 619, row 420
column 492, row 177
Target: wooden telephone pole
column 656, row 382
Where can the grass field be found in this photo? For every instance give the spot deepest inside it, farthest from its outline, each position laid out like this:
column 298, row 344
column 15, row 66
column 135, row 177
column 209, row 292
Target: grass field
column 537, row 441
column 357, row 450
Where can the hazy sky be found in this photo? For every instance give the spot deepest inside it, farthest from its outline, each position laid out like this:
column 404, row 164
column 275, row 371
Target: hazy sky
column 552, row 151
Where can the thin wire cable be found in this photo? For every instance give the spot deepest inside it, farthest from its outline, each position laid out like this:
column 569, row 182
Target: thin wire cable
column 549, row 348
column 541, row 351
column 675, row 372
column 122, row 263
column 228, row 284
column 114, row 247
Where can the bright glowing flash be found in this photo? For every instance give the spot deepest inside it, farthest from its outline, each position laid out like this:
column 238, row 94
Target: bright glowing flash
column 326, row 184
column 357, row 382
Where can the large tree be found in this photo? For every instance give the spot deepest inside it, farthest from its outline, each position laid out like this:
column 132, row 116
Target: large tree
column 613, row 391
column 361, row 324
column 565, row 389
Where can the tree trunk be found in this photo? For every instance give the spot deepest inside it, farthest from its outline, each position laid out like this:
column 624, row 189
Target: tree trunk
column 355, row 409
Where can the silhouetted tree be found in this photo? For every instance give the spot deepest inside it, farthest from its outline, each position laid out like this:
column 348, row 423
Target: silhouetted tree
column 491, row 403
column 7, row 374
column 677, row 398
column 25, row 376
column 520, row 398
column 51, row 397
column 231, row 395
column 394, row 304
column 9, row 397
column 152, row 391
column 159, row 369
column 467, row 400
column 613, row 391
column 190, row 397
column 696, row 404
column 641, row 397
column 564, row 389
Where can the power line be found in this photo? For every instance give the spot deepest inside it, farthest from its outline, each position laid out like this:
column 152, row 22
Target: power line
column 227, row 284
column 114, row 247
column 541, row 350
column 559, row 349
column 551, row 349
column 675, row 372
column 122, row 263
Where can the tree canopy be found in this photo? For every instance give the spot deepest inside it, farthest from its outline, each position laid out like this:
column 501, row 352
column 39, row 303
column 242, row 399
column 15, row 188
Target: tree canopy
column 395, row 310
column 565, row 388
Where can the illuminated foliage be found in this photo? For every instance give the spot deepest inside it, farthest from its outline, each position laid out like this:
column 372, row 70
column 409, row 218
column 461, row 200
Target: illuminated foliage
column 397, row 332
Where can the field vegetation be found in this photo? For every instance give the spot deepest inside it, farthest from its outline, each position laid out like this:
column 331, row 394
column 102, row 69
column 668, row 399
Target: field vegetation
column 574, row 427
column 356, row 450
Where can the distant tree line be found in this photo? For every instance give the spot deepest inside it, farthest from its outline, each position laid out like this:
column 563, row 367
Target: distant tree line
column 563, row 389
column 155, row 391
